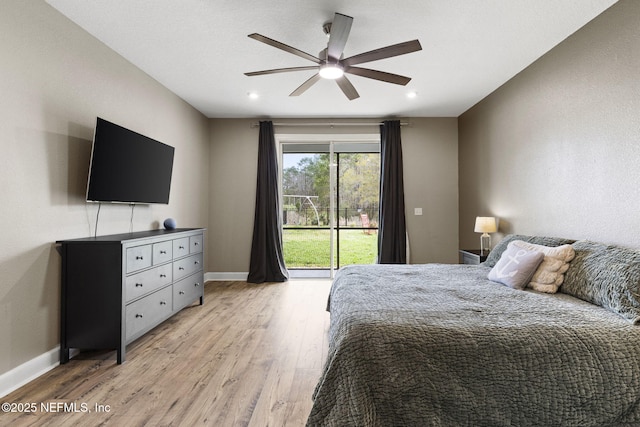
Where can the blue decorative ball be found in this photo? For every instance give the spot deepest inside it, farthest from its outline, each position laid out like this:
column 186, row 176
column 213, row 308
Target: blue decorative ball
column 170, row 224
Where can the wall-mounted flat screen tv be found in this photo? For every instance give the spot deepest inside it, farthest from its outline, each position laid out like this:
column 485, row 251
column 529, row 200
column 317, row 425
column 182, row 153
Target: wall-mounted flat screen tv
column 127, row 167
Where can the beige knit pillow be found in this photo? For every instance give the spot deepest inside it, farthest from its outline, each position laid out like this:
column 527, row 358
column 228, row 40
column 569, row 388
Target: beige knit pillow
column 550, row 273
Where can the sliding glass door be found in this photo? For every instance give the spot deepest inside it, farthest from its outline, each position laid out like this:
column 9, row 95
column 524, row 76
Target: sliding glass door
column 330, row 194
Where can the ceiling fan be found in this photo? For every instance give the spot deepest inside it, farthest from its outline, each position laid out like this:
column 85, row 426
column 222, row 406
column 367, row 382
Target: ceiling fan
column 331, row 65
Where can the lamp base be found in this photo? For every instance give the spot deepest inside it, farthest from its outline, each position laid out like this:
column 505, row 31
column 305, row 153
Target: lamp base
column 485, row 244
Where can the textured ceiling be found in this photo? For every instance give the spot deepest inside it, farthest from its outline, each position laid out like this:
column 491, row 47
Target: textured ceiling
column 199, row 49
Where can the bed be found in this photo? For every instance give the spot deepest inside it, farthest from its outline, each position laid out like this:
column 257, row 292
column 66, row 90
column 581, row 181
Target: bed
column 441, row 345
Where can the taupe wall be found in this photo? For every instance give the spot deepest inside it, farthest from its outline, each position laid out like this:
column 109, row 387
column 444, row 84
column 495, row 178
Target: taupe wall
column 430, row 154
column 431, row 182
column 555, row 151
column 232, row 189
column 54, row 80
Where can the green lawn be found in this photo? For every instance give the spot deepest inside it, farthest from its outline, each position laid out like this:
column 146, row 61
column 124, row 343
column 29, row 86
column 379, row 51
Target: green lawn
column 310, row 248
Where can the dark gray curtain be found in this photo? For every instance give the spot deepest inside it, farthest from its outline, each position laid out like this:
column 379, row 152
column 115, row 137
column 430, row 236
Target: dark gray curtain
column 392, row 240
column 267, row 261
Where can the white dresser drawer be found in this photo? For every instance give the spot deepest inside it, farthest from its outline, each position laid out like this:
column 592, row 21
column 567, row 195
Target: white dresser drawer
column 195, row 244
column 187, row 291
column 147, row 281
column 186, row 266
column 148, row 312
column 138, row 257
column 180, row 247
column 162, row 252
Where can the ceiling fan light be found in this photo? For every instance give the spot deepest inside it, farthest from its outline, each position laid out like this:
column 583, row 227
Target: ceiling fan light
column 331, row 71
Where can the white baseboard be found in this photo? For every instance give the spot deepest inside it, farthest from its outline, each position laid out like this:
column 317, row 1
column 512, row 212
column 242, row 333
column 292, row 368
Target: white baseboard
column 29, row 371
column 229, row 276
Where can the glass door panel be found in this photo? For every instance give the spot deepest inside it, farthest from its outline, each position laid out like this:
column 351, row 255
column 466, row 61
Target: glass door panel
column 306, row 211
column 358, row 189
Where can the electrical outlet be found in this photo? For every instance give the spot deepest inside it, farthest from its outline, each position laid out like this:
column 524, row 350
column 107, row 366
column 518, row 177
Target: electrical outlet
column 417, row 211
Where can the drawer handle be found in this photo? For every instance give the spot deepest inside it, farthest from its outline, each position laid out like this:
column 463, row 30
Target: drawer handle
column 195, row 243
column 139, row 257
column 163, row 275
column 163, row 303
column 180, row 268
column 196, row 284
column 139, row 285
column 163, row 252
column 180, row 247
column 196, row 262
column 181, row 292
column 139, row 315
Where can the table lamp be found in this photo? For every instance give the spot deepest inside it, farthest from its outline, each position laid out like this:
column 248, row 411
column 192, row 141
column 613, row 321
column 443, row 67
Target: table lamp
column 485, row 225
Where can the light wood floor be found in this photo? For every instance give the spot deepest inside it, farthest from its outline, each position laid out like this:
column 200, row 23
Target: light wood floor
column 250, row 356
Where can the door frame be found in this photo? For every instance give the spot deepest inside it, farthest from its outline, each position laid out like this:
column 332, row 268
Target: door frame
column 316, row 138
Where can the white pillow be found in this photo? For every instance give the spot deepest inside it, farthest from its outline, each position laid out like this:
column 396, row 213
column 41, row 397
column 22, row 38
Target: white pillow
column 516, row 266
column 550, row 273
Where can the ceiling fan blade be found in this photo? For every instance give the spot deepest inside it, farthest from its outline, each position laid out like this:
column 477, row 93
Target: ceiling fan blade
column 306, row 85
column 284, row 47
column 383, row 52
column 378, row 75
column 340, row 29
column 347, row 88
column 281, row 70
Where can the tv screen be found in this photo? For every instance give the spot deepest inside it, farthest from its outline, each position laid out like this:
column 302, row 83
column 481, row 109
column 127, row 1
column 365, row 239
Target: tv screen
column 127, row 167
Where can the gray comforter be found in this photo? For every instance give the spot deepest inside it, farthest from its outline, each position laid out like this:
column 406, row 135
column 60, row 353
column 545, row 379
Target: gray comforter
column 440, row 345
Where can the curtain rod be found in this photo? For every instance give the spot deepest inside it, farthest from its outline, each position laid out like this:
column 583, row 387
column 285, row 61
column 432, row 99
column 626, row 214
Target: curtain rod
column 330, row 124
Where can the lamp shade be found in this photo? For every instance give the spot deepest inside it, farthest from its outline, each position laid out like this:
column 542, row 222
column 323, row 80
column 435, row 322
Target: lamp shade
column 485, row 224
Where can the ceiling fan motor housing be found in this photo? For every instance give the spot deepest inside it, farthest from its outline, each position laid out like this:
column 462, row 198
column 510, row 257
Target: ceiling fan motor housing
column 326, row 27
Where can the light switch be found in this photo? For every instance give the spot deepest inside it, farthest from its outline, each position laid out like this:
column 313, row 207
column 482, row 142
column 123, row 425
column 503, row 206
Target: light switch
column 417, row 211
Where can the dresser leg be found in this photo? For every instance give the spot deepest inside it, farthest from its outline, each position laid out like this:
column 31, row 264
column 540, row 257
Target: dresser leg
column 64, row 355
column 120, row 357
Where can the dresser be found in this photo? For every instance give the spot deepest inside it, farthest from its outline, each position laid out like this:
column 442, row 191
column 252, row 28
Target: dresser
column 118, row 287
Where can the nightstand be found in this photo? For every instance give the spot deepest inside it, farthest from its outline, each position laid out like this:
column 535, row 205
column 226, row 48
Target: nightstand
column 472, row 256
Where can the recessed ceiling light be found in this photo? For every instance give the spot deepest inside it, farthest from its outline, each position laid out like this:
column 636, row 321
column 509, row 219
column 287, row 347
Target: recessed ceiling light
column 412, row 94
column 253, row 95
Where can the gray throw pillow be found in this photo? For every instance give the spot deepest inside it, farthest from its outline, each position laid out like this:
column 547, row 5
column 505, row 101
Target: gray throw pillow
column 606, row 275
column 496, row 252
column 516, row 266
